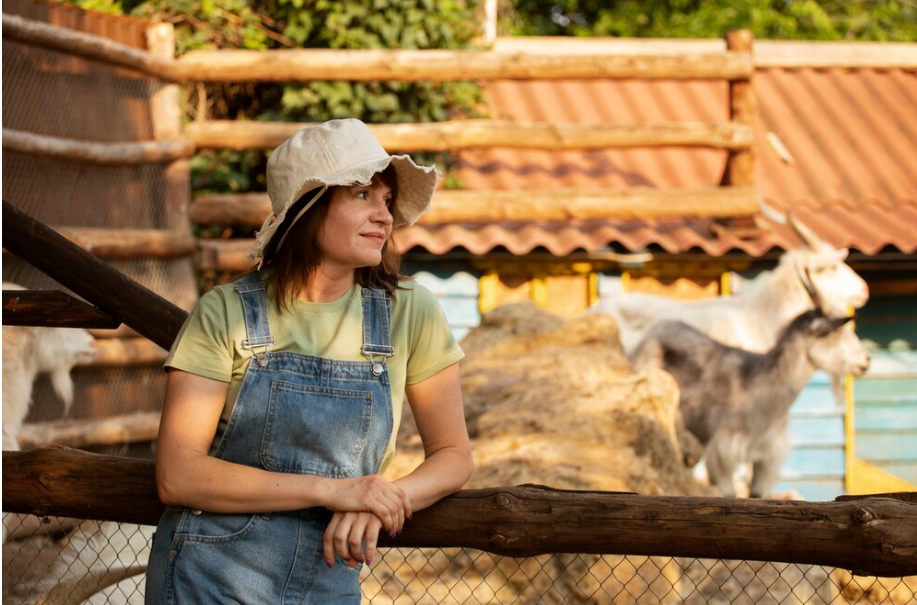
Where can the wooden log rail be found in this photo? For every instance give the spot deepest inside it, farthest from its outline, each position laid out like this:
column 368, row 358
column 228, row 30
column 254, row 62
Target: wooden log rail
column 301, row 65
column 87, row 432
column 100, row 284
column 870, row 536
column 53, row 309
column 466, row 206
column 474, row 134
column 107, row 154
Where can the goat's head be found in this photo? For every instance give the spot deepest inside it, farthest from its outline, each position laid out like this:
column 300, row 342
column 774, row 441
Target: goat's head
column 835, row 347
column 832, row 284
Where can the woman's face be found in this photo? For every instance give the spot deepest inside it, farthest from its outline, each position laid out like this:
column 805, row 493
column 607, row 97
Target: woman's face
column 358, row 224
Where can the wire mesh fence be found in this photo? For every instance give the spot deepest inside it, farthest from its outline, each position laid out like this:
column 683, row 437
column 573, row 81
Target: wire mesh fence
column 52, row 560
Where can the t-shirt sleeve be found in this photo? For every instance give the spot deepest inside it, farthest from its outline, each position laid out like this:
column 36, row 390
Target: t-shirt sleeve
column 433, row 346
column 203, row 345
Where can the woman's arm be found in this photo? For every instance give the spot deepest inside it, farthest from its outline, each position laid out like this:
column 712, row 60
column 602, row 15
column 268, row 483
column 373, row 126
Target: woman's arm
column 186, row 475
column 440, row 417
column 438, row 411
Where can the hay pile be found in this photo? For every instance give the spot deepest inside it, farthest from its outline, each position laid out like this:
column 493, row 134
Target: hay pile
column 552, row 402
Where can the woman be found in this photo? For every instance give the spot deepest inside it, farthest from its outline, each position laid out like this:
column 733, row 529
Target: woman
column 285, row 388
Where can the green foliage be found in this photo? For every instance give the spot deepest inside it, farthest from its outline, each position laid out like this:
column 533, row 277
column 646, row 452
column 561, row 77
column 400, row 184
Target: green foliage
column 876, row 20
column 273, row 24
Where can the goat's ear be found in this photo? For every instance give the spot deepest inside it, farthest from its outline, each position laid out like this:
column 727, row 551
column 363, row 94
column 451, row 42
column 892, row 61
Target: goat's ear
column 823, row 326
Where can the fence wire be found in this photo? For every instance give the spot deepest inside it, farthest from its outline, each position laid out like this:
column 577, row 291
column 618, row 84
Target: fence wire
column 50, row 560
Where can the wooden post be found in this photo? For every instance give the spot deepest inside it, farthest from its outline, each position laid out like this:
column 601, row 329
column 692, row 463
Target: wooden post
column 871, row 536
column 165, row 111
column 743, row 109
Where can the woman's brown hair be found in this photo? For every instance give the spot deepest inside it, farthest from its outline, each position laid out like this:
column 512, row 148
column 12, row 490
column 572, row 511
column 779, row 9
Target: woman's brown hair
column 290, row 266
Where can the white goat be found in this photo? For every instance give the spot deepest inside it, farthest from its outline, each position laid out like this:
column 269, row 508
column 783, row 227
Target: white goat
column 737, row 402
column 28, row 352
column 805, row 278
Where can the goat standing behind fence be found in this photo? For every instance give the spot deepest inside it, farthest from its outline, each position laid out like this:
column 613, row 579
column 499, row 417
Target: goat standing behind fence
column 737, row 402
column 28, row 352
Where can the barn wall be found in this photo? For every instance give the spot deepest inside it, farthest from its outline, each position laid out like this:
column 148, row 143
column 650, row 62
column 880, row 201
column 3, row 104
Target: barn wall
column 885, row 418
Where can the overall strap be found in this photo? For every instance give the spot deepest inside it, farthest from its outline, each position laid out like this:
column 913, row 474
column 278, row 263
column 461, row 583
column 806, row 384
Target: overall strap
column 377, row 305
column 251, row 290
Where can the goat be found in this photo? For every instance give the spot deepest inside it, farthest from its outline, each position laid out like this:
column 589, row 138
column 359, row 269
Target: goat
column 28, row 352
column 737, row 402
column 815, row 276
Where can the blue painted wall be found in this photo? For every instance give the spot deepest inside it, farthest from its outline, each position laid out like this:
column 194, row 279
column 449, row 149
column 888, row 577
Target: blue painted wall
column 457, row 294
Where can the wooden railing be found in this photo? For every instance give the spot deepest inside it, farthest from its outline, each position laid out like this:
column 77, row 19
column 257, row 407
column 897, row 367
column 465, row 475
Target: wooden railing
column 870, row 535
column 733, row 63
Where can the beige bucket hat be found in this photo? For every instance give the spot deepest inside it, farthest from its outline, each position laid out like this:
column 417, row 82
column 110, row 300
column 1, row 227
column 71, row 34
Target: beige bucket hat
column 338, row 152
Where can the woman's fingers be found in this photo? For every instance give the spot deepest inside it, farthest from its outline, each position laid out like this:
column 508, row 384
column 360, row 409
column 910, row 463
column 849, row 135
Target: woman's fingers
column 372, row 538
column 354, row 542
column 336, row 537
column 351, row 536
column 328, row 539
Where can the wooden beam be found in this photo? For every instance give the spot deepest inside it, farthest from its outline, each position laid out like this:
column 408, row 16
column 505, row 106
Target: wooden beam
column 88, row 46
column 86, row 432
column 101, row 285
column 52, row 309
column 107, row 154
column 740, row 170
column 128, row 351
column 779, row 54
column 303, row 65
column 455, row 206
column 473, row 134
column 787, row 54
column 871, row 536
column 125, row 244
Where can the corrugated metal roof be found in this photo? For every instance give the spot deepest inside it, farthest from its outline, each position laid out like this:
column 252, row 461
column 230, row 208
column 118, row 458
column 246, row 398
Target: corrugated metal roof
column 852, row 135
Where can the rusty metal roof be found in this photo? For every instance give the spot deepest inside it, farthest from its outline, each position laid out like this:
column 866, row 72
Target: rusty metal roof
column 851, row 136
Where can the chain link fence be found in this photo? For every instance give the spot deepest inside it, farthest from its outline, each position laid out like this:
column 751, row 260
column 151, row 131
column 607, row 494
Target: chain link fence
column 66, row 560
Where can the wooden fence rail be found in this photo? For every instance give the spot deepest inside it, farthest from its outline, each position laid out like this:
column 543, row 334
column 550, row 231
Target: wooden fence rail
column 301, row 65
column 473, row 134
column 107, row 288
column 870, row 536
column 468, row 206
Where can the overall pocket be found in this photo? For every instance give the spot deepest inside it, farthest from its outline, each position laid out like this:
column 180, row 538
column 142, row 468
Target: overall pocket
column 315, row 430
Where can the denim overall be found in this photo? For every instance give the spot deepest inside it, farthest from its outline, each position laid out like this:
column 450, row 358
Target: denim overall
column 295, row 413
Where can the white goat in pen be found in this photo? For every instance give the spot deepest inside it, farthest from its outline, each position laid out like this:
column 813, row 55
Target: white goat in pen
column 737, row 402
column 30, row 351
column 805, row 278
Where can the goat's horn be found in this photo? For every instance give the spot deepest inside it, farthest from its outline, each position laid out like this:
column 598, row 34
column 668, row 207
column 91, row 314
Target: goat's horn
column 806, row 280
column 807, row 235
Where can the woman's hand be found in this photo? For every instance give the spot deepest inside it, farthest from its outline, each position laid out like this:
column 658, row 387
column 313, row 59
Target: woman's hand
column 373, row 494
column 346, row 535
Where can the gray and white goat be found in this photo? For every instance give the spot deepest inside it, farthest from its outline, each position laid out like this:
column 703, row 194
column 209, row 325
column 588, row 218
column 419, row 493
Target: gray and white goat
column 737, row 402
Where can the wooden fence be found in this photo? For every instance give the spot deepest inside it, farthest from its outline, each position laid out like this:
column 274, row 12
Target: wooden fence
column 870, row 535
column 738, row 196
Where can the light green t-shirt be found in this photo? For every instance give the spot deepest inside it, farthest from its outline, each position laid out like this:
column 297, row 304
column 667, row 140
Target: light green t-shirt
column 210, row 342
